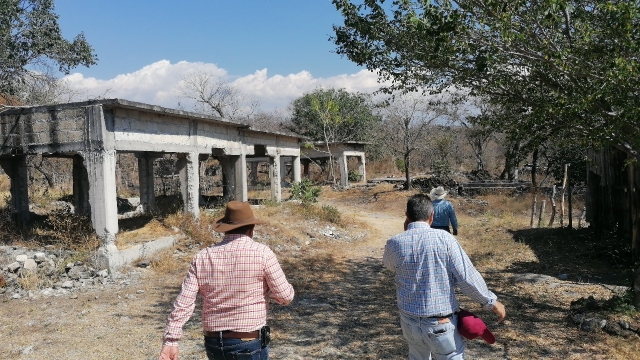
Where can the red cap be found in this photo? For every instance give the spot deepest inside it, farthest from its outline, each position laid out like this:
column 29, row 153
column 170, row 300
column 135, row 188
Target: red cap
column 471, row 326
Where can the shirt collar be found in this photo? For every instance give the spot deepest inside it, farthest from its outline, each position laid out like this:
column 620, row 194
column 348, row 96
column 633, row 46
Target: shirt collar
column 418, row 224
column 231, row 237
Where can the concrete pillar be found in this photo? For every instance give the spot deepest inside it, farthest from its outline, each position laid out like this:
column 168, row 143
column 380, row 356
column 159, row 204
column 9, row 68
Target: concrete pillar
column 189, row 182
column 16, row 168
column 344, row 172
column 283, row 171
column 240, row 167
column 228, row 178
column 362, row 169
column 80, row 187
column 254, row 173
column 274, row 175
column 296, row 169
column 101, row 178
column 305, row 164
column 146, row 179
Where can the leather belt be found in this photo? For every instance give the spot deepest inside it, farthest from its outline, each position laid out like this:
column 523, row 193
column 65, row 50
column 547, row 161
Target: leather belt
column 440, row 317
column 228, row 334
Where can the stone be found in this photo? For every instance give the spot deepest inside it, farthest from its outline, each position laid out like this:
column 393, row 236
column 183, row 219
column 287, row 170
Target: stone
column 73, row 296
column 590, row 325
column 85, row 275
column 21, row 258
column 67, row 284
column 16, row 296
column 30, row 264
column 103, row 273
column 14, row 266
column 40, row 257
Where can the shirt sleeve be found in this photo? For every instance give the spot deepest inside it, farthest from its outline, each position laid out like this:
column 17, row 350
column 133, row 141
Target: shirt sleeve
column 469, row 279
column 452, row 218
column 280, row 290
column 182, row 308
column 388, row 258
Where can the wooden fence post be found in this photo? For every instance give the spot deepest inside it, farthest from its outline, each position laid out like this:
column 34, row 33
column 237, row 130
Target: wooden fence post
column 553, row 207
column 564, row 189
column 533, row 209
column 541, row 217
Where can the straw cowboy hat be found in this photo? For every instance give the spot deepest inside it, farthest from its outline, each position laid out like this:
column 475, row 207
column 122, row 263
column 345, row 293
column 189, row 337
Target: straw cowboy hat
column 438, row 193
column 236, row 215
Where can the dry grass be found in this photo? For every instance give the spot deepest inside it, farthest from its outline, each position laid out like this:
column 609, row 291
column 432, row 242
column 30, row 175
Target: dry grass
column 30, row 280
column 150, row 230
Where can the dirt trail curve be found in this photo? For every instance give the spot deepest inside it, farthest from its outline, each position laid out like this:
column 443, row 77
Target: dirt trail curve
column 344, row 309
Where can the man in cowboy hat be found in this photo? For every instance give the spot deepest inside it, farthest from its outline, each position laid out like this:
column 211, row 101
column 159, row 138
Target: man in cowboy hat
column 236, row 278
column 428, row 265
column 443, row 211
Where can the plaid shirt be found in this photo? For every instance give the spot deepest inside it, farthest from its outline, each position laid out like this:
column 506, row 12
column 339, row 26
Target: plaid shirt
column 428, row 265
column 235, row 278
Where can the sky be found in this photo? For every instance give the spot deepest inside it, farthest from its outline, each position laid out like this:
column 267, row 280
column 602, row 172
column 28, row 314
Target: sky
column 273, row 50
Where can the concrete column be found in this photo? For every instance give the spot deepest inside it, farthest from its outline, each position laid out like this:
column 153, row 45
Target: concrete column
column 16, row 168
column 80, row 187
column 296, row 169
column 344, row 172
column 274, row 175
column 362, row 169
column 228, row 178
column 146, row 179
column 283, row 171
column 189, row 182
column 254, row 173
column 305, row 164
column 240, row 165
column 101, row 176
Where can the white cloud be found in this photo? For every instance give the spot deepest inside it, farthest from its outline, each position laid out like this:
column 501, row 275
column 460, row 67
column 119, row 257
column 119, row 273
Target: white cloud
column 156, row 84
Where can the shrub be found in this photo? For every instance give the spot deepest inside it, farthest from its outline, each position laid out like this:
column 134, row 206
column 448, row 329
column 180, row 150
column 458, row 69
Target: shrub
column 400, row 164
column 305, row 192
column 354, row 176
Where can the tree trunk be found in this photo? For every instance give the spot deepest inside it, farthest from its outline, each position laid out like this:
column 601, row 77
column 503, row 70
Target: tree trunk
column 534, row 169
column 533, row 209
column 564, row 190
column 541, row 217
column 407, row 184
column 553, row 207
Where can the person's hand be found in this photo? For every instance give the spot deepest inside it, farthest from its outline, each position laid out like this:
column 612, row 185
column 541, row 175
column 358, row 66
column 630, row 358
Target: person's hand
column 499, row 310
column 169, row 353
column 455, row 232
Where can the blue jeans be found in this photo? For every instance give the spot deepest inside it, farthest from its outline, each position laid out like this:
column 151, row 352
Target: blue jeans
column 429, row 340
column 235, row 349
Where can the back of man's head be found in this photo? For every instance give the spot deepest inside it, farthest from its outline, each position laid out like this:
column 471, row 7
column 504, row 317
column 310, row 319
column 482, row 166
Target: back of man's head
column 243, row 230
column 419, row 208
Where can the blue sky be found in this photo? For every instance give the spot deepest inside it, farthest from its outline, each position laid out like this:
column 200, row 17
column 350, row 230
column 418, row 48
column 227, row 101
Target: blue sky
column 279, row 46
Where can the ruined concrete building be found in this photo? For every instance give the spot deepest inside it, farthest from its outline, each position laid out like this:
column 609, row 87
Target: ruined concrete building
column 93, row 133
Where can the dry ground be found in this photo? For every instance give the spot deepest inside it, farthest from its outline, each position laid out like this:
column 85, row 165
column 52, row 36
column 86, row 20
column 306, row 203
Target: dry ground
column 345, row 305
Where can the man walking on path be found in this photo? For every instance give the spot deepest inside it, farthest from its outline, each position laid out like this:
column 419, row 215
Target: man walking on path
column 443, row 211
column 236, row 278
column 428, row 265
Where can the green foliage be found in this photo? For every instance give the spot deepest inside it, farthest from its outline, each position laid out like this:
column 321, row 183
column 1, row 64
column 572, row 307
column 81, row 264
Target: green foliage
column 31, row 40
column 330, row 214
column 562, row 70
column 305, row 192
column 333, row 115
column 354, row 176
column 400, row 165
column 441, row 168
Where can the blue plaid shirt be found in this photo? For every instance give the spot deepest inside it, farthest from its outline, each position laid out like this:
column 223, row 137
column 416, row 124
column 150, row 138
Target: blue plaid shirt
column 428, row 265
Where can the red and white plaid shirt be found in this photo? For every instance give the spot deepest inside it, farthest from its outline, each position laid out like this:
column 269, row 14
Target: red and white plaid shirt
column 235, row 278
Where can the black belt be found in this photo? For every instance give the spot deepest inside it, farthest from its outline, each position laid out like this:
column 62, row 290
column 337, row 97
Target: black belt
column 228, row 334
column 440, row 316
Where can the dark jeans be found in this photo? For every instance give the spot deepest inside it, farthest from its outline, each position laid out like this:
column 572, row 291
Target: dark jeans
column 235, row 349
column 445, row 228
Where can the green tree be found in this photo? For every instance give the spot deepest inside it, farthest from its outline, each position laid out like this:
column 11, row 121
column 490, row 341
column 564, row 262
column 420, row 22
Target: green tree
column 568, row 67
column 334, row 115
column 33, row 46
column 331, row 116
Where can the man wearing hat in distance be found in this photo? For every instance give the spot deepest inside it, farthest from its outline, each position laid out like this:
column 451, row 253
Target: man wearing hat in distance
column 236, row 278
column 443, row 211
column 428, row 265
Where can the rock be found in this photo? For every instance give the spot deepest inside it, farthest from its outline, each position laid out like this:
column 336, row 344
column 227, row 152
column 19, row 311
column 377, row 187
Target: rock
column 578, row 318
column 21, row 258
column 27, row 350
column 590, row 325
column 85, row 275
column 67, row 284
column 624, row 324
column 40, row 257
column 16, row 296
column 143, row 263
column 30, row 264
column 73, row 296
column 103, row 273
column 14, row 266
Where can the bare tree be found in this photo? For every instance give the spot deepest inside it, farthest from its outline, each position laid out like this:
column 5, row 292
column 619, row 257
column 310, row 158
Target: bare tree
column 405, row 124
column 211, row 94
